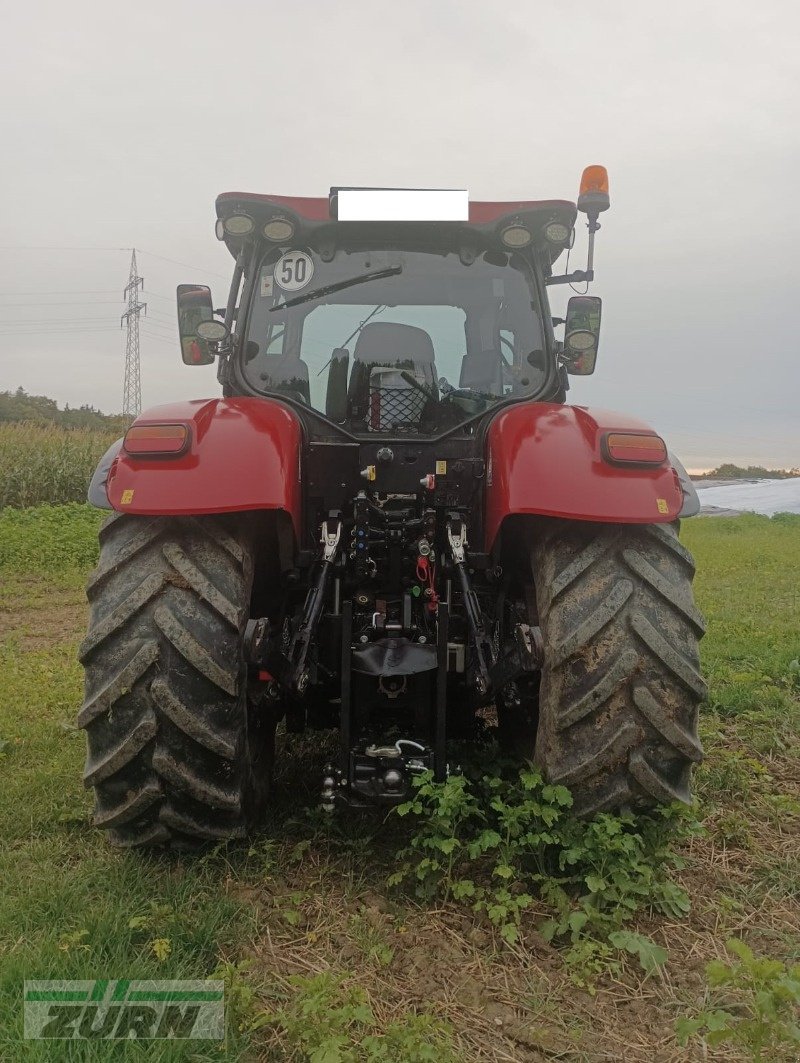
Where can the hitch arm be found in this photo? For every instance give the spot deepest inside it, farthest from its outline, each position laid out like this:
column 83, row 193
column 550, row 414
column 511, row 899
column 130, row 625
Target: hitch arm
column 484, row 658
column 290, row 669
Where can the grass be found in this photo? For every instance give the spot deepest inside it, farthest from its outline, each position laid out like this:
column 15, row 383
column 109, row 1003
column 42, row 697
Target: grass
column 301, row 921
column 48, row 463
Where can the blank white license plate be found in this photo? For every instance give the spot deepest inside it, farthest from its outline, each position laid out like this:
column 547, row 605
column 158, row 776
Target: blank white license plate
column 403, row 204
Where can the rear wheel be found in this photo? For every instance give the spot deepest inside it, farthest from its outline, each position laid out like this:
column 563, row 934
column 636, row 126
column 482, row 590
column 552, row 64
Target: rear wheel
column 176, row 753
column 620, row 683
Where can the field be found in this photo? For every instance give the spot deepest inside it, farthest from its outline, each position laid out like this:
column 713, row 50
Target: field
column 324, row 960
column 48, row 462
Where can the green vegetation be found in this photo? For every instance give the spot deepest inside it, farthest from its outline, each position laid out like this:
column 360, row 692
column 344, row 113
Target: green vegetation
column 18, row 406
column 38, row 539
column 47, row 454
column 331, row 1021
column 324, row 961
column 752, row 472
column 762, row 998
column 495, row 842
column 48, row 463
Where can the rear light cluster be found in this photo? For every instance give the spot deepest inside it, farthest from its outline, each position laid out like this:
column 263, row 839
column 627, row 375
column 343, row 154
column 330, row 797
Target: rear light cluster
column 634, row 448
column 146, row 440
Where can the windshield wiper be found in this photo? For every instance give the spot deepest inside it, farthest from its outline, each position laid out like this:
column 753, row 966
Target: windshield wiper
column 390, row 271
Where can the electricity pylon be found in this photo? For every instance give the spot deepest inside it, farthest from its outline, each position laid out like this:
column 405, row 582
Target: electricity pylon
column 132, row 391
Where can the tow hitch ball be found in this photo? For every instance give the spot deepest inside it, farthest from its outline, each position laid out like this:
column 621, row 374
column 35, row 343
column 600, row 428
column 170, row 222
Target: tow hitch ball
column 376, row 774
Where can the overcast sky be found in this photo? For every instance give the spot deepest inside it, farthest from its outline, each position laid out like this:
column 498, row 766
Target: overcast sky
column 120, row 126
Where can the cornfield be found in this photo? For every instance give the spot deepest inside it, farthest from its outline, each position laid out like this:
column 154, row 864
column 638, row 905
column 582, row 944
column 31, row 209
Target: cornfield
column 47, row 463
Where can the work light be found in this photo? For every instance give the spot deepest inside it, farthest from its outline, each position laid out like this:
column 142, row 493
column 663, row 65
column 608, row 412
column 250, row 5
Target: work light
column 556, row 233
column 239, row 225
column 279, row 230
column 516, row 236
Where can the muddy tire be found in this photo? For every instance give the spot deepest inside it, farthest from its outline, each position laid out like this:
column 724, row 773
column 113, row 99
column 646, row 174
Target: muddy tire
column 620, row 684
column 176, row 755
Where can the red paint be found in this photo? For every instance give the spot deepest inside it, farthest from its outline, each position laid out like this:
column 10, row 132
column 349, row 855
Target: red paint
column 244, row 453
column 317, row 208
column 547, row 459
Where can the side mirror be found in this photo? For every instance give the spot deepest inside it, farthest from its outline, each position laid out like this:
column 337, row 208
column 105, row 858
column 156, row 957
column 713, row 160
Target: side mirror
column 581, row 334
column 194, row 308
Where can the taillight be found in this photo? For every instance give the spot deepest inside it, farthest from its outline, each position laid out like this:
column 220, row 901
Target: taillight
column 156, row 439
column 635, row 448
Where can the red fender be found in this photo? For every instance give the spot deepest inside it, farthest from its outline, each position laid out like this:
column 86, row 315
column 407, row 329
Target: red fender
column 243, row 453
column 545, row 458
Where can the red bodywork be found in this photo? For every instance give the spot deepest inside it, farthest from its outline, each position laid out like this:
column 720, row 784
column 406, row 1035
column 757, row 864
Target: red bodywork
column 244, row 453
column 547, row 459
column 542, row 458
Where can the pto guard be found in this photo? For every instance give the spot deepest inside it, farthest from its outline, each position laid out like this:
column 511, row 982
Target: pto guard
column 546, row 459
column 243, row 453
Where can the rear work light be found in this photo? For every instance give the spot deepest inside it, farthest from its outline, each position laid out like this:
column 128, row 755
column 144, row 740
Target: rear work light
column 634, row 448
column 238, row 225
column 516, row 236
column 279, row 230
column 146, row 440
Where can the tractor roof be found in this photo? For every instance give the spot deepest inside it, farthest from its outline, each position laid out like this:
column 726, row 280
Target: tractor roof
column 313, row 214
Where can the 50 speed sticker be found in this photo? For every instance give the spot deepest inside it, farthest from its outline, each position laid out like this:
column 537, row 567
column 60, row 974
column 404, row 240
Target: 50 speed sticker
column 294, row 271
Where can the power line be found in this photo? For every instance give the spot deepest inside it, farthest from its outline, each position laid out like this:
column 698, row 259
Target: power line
column 55, row 331
column 152, row 254
column 186, row 265
column 64, row 302
column 65, row 291
column 51, row 320
column 32, row 247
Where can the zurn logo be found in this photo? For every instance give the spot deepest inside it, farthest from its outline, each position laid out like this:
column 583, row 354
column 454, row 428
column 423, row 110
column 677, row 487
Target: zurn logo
column 127, row 1009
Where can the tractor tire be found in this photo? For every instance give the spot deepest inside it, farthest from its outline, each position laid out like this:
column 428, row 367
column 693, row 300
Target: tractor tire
column 176, row 753
column 620, row 682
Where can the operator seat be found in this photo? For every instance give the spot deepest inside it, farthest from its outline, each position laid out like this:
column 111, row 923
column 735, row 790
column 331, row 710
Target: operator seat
column 378, row 394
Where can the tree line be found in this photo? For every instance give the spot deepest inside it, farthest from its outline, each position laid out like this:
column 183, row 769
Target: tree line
column 20, row 406
column 752, row 472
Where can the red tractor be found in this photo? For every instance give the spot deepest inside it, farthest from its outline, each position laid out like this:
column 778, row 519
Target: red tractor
column 391, row 524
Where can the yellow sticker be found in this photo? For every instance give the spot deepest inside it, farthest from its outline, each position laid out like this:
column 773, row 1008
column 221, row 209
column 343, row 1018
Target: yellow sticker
column 127, row 497
column 441, row 468
column 662, row 505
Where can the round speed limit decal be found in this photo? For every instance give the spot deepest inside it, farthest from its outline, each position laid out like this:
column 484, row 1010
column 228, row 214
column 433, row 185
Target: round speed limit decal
column 294, row 271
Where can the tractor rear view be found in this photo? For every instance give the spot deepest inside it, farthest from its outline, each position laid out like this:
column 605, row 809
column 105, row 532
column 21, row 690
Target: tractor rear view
column 391, row 524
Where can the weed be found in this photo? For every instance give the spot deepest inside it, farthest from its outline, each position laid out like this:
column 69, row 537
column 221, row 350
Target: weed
column 330, row 1020
column 495, row 842
column 289, row 906
column 161, row 948
column 762, row 1004
column 242, row 1011
column 733, row 829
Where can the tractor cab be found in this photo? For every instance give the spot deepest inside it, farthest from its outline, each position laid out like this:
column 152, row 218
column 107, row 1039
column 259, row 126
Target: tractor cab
column 395, row 313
